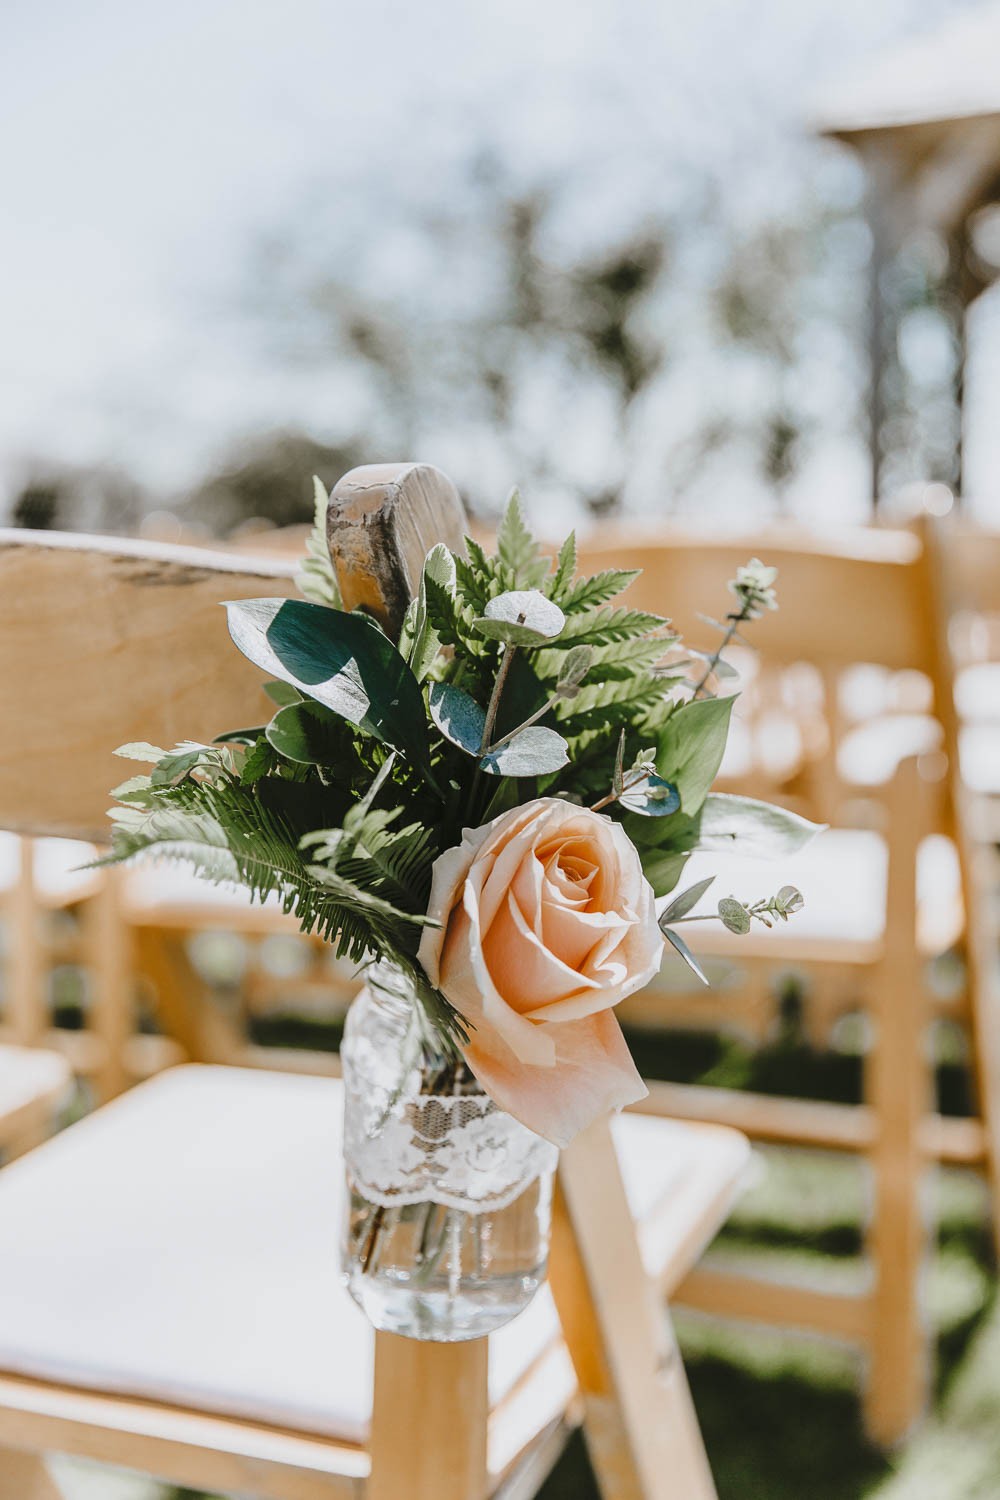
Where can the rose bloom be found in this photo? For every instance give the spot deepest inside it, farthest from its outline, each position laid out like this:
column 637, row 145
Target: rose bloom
column 546, row 922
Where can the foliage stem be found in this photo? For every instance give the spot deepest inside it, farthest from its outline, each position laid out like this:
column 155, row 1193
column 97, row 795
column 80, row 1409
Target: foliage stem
column 506, row 662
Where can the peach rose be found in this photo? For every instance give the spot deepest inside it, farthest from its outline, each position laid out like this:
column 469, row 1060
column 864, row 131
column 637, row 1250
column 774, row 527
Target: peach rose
column 546, row 922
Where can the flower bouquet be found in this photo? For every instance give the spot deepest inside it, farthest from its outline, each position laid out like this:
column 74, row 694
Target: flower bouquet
column 484, row 813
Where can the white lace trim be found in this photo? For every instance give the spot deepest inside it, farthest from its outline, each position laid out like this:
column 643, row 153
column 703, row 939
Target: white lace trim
column 405, row 1147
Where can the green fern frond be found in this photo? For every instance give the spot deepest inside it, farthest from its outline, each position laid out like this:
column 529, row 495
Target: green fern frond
column 517, row 549
column 587, row 593
column 316, row 579
column 601, row 627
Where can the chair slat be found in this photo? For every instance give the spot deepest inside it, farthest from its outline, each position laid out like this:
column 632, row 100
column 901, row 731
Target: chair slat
column 106, row 641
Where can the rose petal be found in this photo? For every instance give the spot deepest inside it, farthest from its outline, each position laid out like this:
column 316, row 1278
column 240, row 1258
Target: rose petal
column 593, row 1074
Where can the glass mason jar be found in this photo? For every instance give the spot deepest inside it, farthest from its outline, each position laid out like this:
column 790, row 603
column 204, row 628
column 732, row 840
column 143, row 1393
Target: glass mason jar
column 446, row 1228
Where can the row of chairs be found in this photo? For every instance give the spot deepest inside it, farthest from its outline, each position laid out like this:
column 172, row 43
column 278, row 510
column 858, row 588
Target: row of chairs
column 909, row 603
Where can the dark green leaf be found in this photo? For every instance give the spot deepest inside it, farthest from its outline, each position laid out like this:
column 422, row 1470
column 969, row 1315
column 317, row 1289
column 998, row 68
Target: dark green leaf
column 340, row 660
column 239, row 736
column 307, row 733
column 533, row 752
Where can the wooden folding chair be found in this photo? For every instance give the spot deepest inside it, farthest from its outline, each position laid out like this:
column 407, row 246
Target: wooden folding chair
column 169, row 1298
column 881, row 902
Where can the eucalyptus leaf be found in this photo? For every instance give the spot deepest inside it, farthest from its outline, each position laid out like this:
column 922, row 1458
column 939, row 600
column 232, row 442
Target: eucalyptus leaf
column 685, row 952
column 575, row 666
column 532, row 752
column 757, row 828
column 340, row 660
column 686, row 901
column 522, row 617
column 307, row 733
column 458, row 716
column 734, row 915
column 652, row 797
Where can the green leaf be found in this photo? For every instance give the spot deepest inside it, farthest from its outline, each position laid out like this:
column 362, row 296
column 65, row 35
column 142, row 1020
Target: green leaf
column 756, row 828
column 652, row 797
column 340, row 660
column 282, row 693
column 602, row 627
column 691, row 747
column 316, row 578
column 458, row 716
column 686, row 901
column 559, row 584
column 176, row 765
column 439, row 566
column 662, row 867
column 536, row 751
column 239, row 736
column 685, row 952
column 587, row 593
column 261, row 760
column 135, row 789
column 734, row 915
column 140, row 750
column 517, row 548
column 307, row 733
column 522, row 617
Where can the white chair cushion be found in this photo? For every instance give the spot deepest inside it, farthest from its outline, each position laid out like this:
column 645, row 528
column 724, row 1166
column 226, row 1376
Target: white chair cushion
column 59, row 880
column 842, row 875
column 181, row 1245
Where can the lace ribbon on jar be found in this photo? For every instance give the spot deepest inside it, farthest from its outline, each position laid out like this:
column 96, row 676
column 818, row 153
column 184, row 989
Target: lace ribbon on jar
column 405, row 1146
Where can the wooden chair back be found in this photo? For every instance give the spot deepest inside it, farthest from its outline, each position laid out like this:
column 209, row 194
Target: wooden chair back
column 856, row 599
column 111, row 642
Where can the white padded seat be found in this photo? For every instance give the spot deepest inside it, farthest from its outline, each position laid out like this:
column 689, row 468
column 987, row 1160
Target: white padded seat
column 842, row 875
column 161, row 893
column 32, row 1083
column 58, row 879
column 181, row 1245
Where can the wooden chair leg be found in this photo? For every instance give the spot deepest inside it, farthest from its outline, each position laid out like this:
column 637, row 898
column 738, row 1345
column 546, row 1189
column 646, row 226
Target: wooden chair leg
column 26, row 995
column 640, row 1424
column 109, row 961
column 24, row 1476
column 899, row 1083
column 429, row 1420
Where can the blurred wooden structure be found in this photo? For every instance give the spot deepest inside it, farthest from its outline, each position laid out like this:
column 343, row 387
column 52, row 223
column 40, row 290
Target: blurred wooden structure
column 924, row 118
column 883, row 598
column 168, row 1379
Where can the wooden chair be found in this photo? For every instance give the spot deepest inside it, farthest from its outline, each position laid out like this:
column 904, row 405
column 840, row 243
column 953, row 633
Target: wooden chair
column 168, row 1291
column 880, row 902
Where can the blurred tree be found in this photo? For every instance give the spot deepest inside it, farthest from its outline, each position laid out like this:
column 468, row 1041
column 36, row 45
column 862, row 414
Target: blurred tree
column 271, row 481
